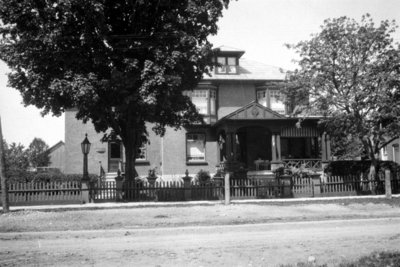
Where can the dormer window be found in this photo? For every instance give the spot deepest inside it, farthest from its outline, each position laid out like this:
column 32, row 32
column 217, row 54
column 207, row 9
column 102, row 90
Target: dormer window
column 227, row 65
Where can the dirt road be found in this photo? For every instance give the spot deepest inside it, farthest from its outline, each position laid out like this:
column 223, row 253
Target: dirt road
column 267, row 244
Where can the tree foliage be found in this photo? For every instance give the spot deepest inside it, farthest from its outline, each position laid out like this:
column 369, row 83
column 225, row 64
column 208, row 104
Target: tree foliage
column 350, row 74
column 16, row 162
column 120, row 63
column 37, row 153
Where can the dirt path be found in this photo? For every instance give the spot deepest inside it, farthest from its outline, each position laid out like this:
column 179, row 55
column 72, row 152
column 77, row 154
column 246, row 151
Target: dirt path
column 267, row 244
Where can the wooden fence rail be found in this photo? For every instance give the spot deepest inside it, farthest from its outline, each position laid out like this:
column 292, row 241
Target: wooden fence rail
column 37, row 193
column 71, row 192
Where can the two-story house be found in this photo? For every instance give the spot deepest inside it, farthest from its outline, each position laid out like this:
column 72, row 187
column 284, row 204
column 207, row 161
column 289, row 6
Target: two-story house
column 246, row 121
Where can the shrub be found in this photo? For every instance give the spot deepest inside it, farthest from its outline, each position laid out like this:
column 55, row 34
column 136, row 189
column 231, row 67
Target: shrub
column 203, row 176
column 57, row 176
column 356, row 167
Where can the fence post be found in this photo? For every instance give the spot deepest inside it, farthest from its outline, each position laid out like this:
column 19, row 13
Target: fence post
column 286, row 184
column 227, row 188
column 119, row 184
column 85, row 187
column 316, row 179
column 388, row 186
column 187, row 185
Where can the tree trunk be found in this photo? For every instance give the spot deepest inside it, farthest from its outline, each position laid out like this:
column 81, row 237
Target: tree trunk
column 372, row 174
column 4, row 189
column 131, row 138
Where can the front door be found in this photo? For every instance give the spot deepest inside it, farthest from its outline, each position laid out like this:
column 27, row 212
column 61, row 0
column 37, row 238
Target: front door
column 114, row 156
column 253, row 143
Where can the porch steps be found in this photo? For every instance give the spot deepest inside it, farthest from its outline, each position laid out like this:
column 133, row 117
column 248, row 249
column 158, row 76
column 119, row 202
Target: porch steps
column 264, row 174
column 110, row 176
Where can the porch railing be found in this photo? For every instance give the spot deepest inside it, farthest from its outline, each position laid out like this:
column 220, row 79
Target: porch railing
column 315, row 164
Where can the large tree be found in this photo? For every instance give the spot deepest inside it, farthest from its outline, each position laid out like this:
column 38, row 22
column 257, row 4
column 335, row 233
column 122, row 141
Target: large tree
column 350, row 73
column 37, row 153
column 121, row 63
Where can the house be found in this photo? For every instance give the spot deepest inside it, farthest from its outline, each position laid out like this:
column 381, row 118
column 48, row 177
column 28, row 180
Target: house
column 57, row 156
column 391, row 151
column 246, row 123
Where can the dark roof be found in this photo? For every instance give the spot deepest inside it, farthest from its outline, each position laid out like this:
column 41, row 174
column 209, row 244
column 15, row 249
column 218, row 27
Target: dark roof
column 252, row 71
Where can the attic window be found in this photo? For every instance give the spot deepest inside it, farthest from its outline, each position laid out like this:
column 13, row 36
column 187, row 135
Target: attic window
column 227, row 65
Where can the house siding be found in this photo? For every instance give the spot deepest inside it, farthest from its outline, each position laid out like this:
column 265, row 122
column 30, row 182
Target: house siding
column 174, row 153
column 167, row 154
column 57, row 158
column 393, row 151
column 234, row 95
column 75, row 131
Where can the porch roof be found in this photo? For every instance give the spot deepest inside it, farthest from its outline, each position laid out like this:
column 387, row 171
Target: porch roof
column 252, row 111
column 255, row 111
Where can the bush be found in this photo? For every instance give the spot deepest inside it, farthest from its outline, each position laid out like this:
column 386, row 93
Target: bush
column 58, row 176
column 203, row 176
column 356, row 167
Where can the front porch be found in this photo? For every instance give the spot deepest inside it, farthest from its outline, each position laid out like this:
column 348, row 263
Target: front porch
column 257, row 140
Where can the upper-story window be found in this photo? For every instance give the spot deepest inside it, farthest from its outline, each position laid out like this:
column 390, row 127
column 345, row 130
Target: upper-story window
column 272, row 99
column 204, row 100
column 227, row 65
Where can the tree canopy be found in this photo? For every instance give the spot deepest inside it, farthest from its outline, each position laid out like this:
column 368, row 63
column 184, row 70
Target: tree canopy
column 38, row 154
column 119, row 63
column 16, row 162
column 350, row 73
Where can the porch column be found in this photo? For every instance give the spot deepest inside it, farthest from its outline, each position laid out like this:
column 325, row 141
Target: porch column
column 278, row 146
column 234, row 145
column 273, row 148
column 323, row 147
column 328, row 148
column 229, row 148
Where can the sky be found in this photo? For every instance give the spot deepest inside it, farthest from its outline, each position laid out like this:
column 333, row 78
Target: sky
column 260, row 27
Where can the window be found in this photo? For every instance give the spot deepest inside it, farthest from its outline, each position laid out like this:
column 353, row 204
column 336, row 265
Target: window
column 384, row 150
column 276, row 101
column 213, row 97
column 272, row 99
column 195, row 147
column 262, row 97
column 115, row 151
column 142, row 153
column 227, row 65
column 205, row 101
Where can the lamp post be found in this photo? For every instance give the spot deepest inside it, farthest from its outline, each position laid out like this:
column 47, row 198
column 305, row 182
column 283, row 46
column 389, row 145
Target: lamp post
column 86, row 193
column 85, row 145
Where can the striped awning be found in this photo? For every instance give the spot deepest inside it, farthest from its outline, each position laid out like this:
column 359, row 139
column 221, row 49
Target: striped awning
column 299, row 132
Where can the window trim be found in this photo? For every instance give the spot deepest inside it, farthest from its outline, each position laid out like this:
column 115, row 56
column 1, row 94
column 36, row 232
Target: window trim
column 196, row 162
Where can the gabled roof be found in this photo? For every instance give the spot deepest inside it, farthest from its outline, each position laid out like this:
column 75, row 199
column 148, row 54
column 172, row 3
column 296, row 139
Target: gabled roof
column 55, row 147
column 252, row 71
column 253, row 111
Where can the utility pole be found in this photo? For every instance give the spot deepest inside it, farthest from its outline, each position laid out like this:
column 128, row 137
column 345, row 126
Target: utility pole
column 4, row 189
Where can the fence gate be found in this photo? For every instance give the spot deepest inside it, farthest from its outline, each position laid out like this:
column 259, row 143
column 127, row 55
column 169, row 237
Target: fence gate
column 302, row 187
